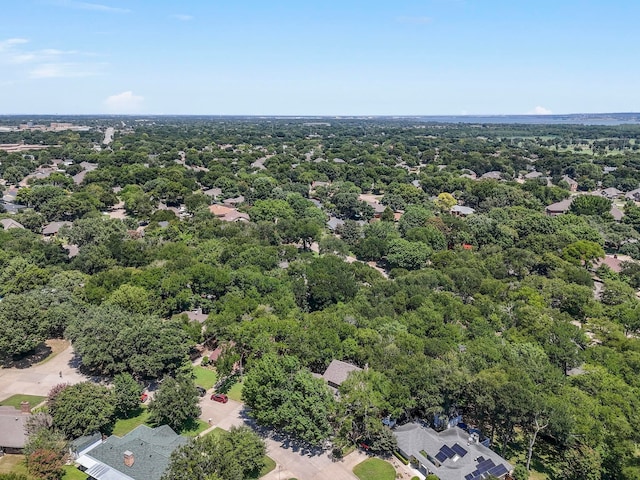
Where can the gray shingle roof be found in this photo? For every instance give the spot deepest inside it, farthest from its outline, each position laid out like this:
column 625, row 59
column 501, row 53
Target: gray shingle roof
column 338, row 371
column 12, row 427
column 151, row 448
column 413, row 439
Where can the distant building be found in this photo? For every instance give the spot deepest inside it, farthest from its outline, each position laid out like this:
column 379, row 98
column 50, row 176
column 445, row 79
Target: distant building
column 573, row 185
column 559, row 208
column 612, row 193
column 453, row 454
column 462, row 211
column 52, row 229
column 228, row 214
column 8, row 223
column 494, row 175
column 142, row 454
column 338, row 371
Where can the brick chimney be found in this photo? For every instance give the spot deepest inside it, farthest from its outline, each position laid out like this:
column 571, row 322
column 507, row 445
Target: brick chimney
column 25, row 407
column 129, row 458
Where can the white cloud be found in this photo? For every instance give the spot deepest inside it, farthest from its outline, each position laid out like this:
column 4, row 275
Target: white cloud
column 64, row 70
column 415, row 20
column 11, row 42
column 96, row 7
column 125, row 102
column 182, row 17
column 540, row 111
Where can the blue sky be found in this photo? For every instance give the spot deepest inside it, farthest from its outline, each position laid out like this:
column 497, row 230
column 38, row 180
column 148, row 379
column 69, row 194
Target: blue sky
column 308, row 57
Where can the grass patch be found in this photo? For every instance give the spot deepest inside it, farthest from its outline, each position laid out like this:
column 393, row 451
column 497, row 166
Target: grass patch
column 374, row 469
column 194, row 428
column 72, row 473
column 235, row 392
column 125, row 425
column 57, row 345
column 15, row 400
column 205, row 377
column 13, row 464
column 269, row 465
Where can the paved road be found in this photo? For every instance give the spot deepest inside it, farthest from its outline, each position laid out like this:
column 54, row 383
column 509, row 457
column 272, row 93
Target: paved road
column 108, row 135
column 39, row 379
column 291, row 461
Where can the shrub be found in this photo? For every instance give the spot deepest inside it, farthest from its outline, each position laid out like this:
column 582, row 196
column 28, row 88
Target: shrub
column 399, row 456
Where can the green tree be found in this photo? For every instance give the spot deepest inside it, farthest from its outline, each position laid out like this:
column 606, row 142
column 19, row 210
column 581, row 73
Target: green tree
column 582, row 463
column 409, row 255
column 234, row 455
column 126, row 394
column 286, row 397
column 590, row 205
column 584, row 252
column 83, row 409
column 175, row 403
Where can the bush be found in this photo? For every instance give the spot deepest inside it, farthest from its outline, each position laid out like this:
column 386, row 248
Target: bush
column 399, row 456
column 205, row 361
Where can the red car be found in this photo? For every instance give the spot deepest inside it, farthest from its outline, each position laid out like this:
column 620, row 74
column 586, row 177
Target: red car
column 143, row 397
column 219, row 397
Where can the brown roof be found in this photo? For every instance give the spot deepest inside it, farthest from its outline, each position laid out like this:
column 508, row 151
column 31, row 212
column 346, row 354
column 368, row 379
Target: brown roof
column 12, row 427
column 338, row 371
column 220, row 210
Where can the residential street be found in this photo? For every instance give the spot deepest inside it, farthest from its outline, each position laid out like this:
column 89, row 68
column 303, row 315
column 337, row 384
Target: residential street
column 39, row 379
column 291, row 461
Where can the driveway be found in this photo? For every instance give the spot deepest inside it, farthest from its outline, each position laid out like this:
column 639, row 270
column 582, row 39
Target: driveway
column 39, row 379
column 292, row 461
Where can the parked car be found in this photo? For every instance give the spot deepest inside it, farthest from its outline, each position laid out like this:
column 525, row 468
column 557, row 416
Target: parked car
column 201, row 391
column 219, row 397
column 143, row 397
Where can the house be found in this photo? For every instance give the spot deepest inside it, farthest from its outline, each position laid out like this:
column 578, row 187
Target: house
column 559, row 208
column 633, row 195
column 573, row 185
column 493, row 175
column 612, row 193
column 228, row 214
column 234, row 201
column 142, row 454
column 461, row 211
column 616, row 213
column 213, row 193
column 337, row 372
column 533, row 175
column 196, row 315
column 53, row 228
column 13, row 422
column 8, row 223
column 334, row 222
column 453, row 454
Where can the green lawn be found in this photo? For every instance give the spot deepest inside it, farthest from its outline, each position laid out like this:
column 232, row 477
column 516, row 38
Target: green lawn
column 72, row 473
column 125, row 425
column 269, row 465
column 205, row 377
column 194, row 428
column 235, row 392
column 13, row 464
column 375, row 469
column 15, row 400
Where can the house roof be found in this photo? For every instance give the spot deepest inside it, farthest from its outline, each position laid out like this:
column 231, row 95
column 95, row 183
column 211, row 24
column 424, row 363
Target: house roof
column 462, row 210
column 54, row 227
column 495, row 175
column 633, row 194
column 151, row 449
column 220, row 210
column 8, row 223
column 457, row 456
column 569, row 180
column 616, row 213
column 12, row 427
column 560, row 207
column 612, row 192
column 338, row 371
column 234, row 201
column 213, row 192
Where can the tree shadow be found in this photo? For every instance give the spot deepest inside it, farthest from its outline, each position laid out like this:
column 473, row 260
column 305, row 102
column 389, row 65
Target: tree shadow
column 37, row 355
column 286, row 441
